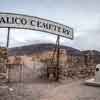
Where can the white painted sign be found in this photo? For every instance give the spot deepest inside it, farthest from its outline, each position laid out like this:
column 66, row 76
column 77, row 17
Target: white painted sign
column 34, row 23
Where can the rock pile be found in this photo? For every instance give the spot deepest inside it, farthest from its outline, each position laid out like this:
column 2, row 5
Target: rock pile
column 77, row 68
column 76, row 71
column 3, row 60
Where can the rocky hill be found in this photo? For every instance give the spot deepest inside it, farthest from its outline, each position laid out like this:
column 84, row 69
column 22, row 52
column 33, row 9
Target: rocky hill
column 39, row 48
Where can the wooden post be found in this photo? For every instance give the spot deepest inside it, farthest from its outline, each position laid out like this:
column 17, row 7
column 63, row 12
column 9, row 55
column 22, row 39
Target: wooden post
column 21, row 73
column 58, row 56
column 8, row 66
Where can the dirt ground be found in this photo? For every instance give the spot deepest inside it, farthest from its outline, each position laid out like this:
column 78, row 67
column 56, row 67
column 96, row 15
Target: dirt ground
column 49, row 91
column 37, row 89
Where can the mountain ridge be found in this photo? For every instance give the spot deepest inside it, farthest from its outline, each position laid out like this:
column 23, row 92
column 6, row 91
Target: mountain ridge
column 39, row 48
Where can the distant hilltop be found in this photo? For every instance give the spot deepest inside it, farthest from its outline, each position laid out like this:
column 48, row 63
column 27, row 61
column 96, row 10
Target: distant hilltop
column 40, row 48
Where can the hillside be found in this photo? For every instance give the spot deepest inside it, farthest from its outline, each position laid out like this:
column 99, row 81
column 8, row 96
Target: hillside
column 39, row 48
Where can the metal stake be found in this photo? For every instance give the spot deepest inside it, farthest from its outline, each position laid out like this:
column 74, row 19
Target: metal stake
column 8, row 37
column 7, row 45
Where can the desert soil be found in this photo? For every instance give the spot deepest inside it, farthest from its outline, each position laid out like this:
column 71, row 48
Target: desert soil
column 42, row 90
column 50, row 91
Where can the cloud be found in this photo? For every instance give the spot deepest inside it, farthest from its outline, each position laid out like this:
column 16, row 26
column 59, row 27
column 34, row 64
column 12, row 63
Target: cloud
column 82, row 15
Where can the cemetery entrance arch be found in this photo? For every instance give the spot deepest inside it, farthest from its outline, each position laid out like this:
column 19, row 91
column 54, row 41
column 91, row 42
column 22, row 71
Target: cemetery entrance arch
column 20, row 21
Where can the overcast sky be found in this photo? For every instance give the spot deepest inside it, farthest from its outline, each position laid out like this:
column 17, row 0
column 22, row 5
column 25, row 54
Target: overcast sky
column 82, row 15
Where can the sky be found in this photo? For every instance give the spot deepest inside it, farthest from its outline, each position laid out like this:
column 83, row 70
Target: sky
column 82, row 15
